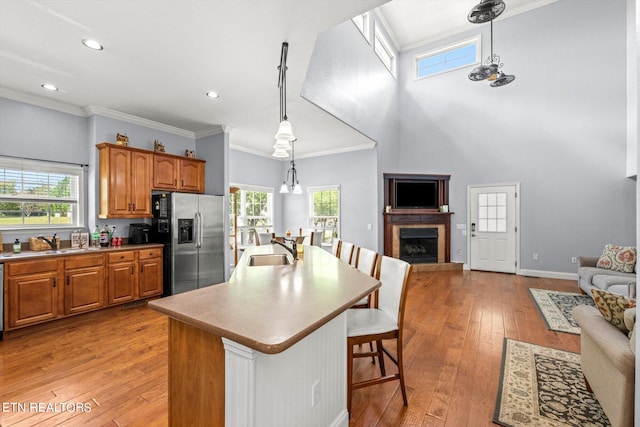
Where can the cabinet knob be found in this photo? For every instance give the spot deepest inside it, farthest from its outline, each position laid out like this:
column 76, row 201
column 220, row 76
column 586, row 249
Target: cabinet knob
column 54, row 282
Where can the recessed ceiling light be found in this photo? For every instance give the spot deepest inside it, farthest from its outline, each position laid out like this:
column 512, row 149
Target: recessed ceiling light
column 49, row 86
column 92, row 44
column 212, row 94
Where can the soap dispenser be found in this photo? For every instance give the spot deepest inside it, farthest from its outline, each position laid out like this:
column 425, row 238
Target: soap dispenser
column 17, row 246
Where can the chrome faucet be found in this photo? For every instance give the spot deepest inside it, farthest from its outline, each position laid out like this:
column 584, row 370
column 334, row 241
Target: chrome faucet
column 52, row 242
column 293, row 250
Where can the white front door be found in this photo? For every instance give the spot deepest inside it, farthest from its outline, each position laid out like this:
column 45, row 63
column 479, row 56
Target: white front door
column 492, row 228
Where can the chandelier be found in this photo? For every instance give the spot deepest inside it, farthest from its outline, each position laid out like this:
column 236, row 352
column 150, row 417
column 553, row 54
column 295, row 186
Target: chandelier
column 491, row 68
column 284, row 136
column 291, row 182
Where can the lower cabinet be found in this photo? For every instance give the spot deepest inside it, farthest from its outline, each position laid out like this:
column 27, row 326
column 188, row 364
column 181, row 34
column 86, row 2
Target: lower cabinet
column 84, row 280
column 54, row 287
column 150, row 273
column 121, row 269
column 32, row 292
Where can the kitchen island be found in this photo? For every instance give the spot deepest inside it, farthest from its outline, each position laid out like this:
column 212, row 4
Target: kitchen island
column 266, row 348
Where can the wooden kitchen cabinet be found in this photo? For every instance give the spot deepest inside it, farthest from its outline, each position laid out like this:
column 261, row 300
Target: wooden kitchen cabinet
column 150, row 273
column 84, row 283
column 165, row 172
column 125, row 182
column 121, row 273
column 32, row 292
column 52, row 287
column 173, row 173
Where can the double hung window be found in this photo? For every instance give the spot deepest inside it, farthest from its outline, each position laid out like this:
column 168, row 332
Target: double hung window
column 40, row 194
column 254, row 212
column 324, row 211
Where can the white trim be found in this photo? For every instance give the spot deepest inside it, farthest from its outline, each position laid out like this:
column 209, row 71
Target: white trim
column 477, row 40
column 387, row 28
column 213, row 130
column 254, row 188
column 550, row 275
column 113, row 114
column 39, row 101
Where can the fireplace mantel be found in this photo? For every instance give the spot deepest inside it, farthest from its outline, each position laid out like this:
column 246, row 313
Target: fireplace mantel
column 395, row 219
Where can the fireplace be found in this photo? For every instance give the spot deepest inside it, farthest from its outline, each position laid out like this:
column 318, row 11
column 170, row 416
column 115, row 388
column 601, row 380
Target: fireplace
column 418, row 245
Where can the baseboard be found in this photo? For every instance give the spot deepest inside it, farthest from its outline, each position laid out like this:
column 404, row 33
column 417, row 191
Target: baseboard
column 548, row 274
column 342, row 420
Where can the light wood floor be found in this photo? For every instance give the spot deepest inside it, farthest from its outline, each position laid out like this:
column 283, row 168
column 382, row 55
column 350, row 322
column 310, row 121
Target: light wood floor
column 116, row 362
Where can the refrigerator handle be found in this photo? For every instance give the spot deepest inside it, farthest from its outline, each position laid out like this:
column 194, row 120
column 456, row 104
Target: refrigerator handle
column 199, row 230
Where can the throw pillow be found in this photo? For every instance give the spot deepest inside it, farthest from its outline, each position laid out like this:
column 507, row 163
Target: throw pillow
column 619, row 258
column 612, row 307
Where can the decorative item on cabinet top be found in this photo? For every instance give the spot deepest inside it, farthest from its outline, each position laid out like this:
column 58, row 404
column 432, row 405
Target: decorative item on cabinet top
column 122, row 140
column 158, row 146
column 190, row 154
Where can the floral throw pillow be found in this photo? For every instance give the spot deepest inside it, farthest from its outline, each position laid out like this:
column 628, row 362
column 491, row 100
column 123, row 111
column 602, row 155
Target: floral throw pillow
column 619, row 258
column 612, row 307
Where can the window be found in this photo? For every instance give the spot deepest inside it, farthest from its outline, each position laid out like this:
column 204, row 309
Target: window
column 362, row 23
column 448, row 58
column 492, row 212
column 383, row 50
column 324, row 211
column 39, row 194
column 255, row 212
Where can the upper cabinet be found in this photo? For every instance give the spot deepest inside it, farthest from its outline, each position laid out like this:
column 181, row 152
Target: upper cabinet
column 125, row 182
column 127, row 176
column 173, row 173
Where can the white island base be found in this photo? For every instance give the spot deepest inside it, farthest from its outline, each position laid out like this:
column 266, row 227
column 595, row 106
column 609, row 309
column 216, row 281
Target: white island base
column 305, row 385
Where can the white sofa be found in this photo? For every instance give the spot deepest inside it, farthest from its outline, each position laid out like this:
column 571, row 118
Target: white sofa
column 607, row 356
column 617, row 282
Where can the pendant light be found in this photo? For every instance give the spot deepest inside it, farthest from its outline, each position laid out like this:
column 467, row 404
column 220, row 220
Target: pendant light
column 284, row 135
column 490, row 69
column 291, row 182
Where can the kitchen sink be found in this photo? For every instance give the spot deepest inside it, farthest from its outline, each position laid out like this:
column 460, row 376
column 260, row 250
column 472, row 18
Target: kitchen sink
column 269, row 259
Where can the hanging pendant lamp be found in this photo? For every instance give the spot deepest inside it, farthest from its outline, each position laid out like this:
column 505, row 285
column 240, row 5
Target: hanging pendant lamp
column 291, row 183
column 284, row 135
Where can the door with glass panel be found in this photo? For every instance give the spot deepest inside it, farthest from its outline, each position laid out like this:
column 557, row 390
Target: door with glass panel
column 493, row 227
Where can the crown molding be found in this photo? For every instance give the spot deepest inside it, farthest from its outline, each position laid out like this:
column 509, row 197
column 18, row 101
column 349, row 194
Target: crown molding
column 113, row 114
column 213, row 130
column 43, row 102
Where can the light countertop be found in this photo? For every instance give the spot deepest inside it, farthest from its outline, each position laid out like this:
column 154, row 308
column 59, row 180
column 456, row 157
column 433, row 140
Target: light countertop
column 270, row 308
column 30, row 255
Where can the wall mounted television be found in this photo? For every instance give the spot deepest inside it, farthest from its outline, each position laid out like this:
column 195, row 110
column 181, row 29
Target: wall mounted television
column 416, row 194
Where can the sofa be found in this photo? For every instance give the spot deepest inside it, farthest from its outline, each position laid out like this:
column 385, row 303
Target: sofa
column 607, row 356
column 606, row 279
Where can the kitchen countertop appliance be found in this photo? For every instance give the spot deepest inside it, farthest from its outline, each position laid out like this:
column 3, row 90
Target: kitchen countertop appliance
column 191, row 228
column 139, row 233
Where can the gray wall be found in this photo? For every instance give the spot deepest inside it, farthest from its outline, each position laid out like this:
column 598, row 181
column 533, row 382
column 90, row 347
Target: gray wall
column 559, row 130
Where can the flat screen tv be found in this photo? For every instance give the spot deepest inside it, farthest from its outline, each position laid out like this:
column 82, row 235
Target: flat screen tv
column 416, row 195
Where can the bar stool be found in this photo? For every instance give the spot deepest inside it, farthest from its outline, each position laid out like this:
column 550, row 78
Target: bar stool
column 378, row 324
column 335, row 247
column 346, row 251
column 367, row 262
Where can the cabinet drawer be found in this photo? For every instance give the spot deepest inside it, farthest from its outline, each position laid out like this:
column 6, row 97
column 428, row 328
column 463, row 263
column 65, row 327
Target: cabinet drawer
column 121, row 257
column 28, row 267
column 150, row 253
column 83, row 261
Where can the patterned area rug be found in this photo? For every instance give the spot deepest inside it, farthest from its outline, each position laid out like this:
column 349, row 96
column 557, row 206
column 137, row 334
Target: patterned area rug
column 556, row 306
column 544, row 387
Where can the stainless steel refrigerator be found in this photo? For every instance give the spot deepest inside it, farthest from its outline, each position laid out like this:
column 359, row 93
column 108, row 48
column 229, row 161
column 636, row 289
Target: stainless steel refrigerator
column 191, row 228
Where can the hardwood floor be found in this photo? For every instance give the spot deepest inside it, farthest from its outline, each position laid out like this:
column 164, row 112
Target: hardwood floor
column 116, row 362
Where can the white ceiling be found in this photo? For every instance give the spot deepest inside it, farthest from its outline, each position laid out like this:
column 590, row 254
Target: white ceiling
column 160, row 58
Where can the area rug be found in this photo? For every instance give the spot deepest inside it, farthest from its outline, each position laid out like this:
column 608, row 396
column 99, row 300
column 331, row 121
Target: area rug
column 556, row 306
column 544, row 387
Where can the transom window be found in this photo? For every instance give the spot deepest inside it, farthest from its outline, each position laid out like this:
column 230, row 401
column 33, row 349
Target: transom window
column 492, row 212
column 39, row 194
column 324, row 211
column 383, row 49
column 362, row 23
column 448, row 58
column 254, row 212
